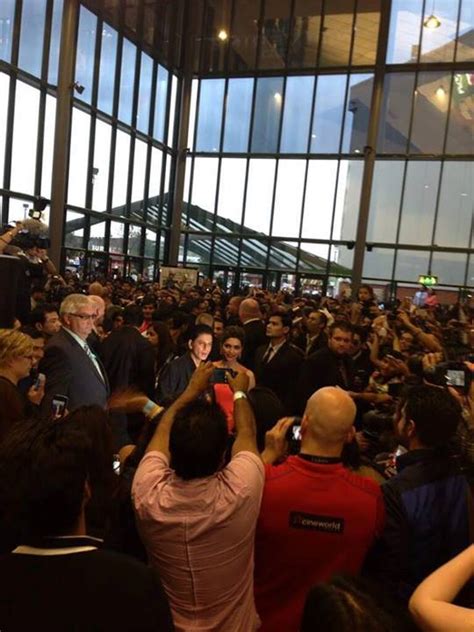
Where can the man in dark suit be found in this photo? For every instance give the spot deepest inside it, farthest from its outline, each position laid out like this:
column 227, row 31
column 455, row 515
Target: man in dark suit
column 330, row 366
column 57, row 575
column 251, row 318
column 277, row 364
column 70, row 366
column 314, row 338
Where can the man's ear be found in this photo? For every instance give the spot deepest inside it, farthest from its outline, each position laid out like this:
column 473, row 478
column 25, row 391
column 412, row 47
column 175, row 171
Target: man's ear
column 190, row 344
column 351, row 433
column 410, row 429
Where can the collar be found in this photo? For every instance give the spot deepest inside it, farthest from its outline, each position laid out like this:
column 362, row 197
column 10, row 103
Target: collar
column 276, row 347
column 59, row 545
column 415, row 456
column 320, row 460
column 252, row 320
column 77, row 338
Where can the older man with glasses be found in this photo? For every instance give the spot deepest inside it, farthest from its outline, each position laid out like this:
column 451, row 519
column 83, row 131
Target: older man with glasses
column 71, row 367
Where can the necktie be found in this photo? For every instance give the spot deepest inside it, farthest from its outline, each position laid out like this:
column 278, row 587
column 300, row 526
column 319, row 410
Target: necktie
column 268, row 355
column 93, row 359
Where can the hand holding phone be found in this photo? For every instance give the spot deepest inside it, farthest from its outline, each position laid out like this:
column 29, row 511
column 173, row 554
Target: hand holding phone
column 58, row 406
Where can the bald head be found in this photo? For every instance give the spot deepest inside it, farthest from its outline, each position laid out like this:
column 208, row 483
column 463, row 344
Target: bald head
column 330, row 414
column 96, row 289
column 248, row 309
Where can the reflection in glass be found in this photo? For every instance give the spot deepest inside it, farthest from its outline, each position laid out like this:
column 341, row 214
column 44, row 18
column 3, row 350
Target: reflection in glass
column 243, row 46
column 274, row 34
column 192, row 113
column 319, row 199
column 74, row 230
column 55, row 42
column 430, row 113
column 31, row 36
column 216, row 36
column 328, row 113
column 253, row 255
column 48, row 146
column 101, row 166
column 396, row 112
column 237, row 116
column 267, row 115
column 122, row 156
column 97, row 236
column 258, row 204
column 297, row 114
column 210, row 115
column 465, row 47
column 134, row 240
column 199, row 250
column 127, row 80
column 108, row 54
column 385, row 201
column 144, row 93
column 160, row 103
column 356, row 120
column 449, row 267
column 204, row 183
column 226, row 251
column 348, row 199
column 288, row 198
column 404, row 37
column 7, row 17
column 410, row 264
column 304, row 38
column 419, row 202
column 25, row 126
column 366, row 32
column 85, row 53
column 437, row 45
column 117, row 230
column 78, row 157
column 456, row 201
column 150, row 243
column 337, row 33
column 4, row 91
column 231, row 188
column 460, row 137
column 171, row 122
column 378, row 264
column 139, row 168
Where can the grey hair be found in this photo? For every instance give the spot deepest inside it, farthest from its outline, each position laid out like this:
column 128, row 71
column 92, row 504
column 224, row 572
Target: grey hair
column 73, row 302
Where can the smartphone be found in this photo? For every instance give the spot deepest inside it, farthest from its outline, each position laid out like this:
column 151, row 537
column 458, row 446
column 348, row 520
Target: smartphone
column 219, row 376
column 40, row 380
column 116, row 464
column 293, row 436
column 58, row 406
column 456, row 378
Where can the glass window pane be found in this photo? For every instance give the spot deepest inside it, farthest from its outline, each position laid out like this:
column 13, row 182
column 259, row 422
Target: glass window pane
column 166, row 184
column 319, row 199
column 214, row 49
column 243, row 45
column 25, row 137
column 254, row 254
column 385, row 201
column 97, row 235
column 150, row 243
column 134, row 240
column 55, row 42
column 410, row 264
column 267, row 114
column 31, row 36
column 356, row 120
column 85, row 53
column 108, row 54
column 366, row 32
column 74, row 230
column 238, row 112
column 396, row 112
column 328, row 113
column 192, row 113
column 404, row 37
column 297, row 114
column 204, row 183
column 289, row 198
column 122, row 156
column 7, row 17
column 101, row 166
column 460, row 137
column 348, row 199
column 144, row 94
column 337, row 33
column 437, row 45
column 226, row 251
column 4, row 91
column 274, row 34
column 210, row 115
column 48, row 146
column 465, row 48
column 456, row 201
column 154, row 184
column 117, row 230
column 174, row 93
column 231, row 191
column 160, row 103
column 470, row 272
column 258, row 204
column 430, row 113
column 78, row 157
column 419, row 202
column 139, row 168
column 304, row 39
column 449, row 267
column 378, row 264
column 127, row 80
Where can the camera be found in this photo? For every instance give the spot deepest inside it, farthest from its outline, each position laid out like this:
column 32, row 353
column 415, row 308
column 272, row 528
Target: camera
column 455, row 374
column 219, row 376
column 293, row 436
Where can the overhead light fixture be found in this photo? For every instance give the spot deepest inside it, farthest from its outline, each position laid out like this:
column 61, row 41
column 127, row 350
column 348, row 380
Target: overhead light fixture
column 223, row 35
column 277, row 97
column 432, row 22
column 440, row 92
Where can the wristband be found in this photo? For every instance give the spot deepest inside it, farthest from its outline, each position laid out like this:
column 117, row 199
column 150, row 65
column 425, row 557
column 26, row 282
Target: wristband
column 148, row 407
column 239, row 395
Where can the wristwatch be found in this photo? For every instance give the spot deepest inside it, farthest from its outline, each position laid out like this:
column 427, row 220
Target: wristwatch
column 239, row 395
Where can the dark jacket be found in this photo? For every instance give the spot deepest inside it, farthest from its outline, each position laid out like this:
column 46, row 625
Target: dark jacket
column 280, row 373
column 255, row 337
column 175, row 377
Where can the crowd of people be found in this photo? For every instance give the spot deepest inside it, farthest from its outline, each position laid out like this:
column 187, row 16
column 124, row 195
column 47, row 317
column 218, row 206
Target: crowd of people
column 181, row 458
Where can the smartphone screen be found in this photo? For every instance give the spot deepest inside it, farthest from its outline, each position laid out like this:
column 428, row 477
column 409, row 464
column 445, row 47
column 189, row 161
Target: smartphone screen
column 455, row 378
column 58, row 406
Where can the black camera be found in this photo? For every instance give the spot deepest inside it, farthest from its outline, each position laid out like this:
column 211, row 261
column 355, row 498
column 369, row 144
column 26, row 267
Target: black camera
column 455, row 374
column 293, row 436
column 219, row 376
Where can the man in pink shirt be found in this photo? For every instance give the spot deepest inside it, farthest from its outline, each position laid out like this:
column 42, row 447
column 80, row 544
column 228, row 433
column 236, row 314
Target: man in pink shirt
column 196, row 517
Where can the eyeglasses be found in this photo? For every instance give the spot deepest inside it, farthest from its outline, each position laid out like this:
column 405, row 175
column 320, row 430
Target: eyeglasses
column 84, row 316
